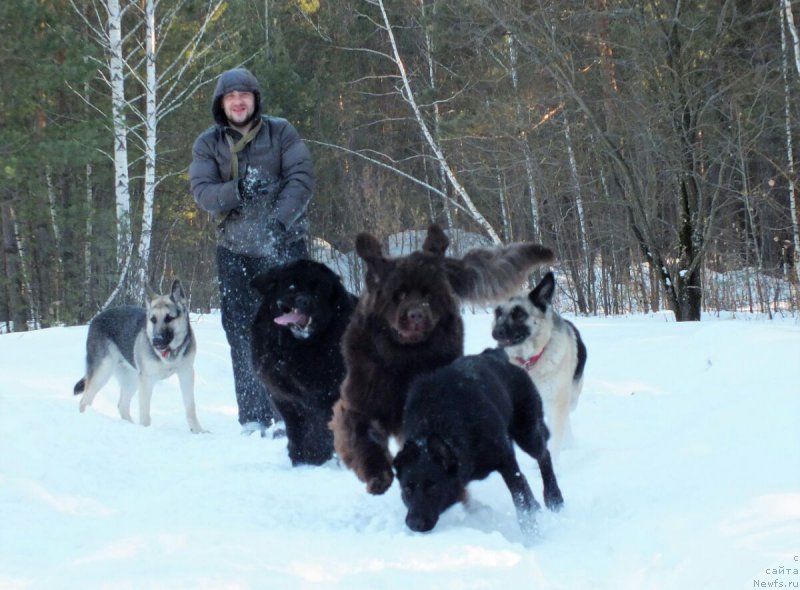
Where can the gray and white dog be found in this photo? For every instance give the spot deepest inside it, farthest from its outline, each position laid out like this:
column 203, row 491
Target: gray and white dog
column 140, row 346
column 549, row 348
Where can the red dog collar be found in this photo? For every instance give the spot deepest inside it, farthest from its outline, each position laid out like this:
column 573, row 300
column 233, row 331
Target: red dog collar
column 530, row 361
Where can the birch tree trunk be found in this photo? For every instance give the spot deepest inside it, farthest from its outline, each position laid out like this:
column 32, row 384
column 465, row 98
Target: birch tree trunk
column 116, row 71
column 522, row 124
column 150, row 123
column 174, row 91
column 15, row 238
column 267, row 28
column 788, row 18
column 409, row 97
column 13, row 264
column 751, row 220
column 436, row 114
column 119, row 106
column 501, row 185
column 584, row 292
column 51, row 199
column 174, row 94
column 87, row 245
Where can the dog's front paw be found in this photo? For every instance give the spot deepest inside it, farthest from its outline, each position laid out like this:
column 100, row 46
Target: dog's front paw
column 380, row 483
column 553, row 500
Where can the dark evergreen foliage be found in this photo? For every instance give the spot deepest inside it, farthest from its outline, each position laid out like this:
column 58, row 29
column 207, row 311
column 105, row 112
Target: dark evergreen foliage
column 676, row 116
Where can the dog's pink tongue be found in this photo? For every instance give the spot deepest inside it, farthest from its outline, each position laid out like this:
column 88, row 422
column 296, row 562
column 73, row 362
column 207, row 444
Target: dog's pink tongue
column 290, row 318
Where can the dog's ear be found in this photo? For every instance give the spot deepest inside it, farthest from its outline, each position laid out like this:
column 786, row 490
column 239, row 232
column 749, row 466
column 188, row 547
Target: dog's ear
column 406, row 455
column 177, row 293
column 436, row 241
column 486, row 275
column 370, row 251
column 149, row 292
column 368, row 247
column 443, row 454
column 542, row 295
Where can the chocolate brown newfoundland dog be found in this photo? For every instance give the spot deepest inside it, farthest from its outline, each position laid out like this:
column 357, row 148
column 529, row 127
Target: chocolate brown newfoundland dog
column 408, row 322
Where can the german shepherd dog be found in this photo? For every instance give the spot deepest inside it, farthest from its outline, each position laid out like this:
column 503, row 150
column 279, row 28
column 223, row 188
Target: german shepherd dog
column 549, row 348
column 460, row 424
column 408, row 322
column 140, row 346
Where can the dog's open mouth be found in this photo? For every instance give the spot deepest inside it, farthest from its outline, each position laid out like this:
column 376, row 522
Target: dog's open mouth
column 505, row 342
column 298, row 322
column 293, row 318
column 162, row 350
column 410, row 336
column 512, row 340
column 413, row 328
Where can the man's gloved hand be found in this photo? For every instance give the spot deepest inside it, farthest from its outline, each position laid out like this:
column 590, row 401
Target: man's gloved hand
column 253, row 184
column 277, row 231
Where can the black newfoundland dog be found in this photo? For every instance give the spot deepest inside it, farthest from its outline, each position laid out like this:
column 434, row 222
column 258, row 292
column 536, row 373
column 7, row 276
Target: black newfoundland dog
column 296, row 351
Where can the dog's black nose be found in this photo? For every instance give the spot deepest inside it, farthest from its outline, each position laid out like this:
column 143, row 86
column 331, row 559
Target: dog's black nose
column 499, row 333
column 302, row 302
column 419, row 524
column 416, row 315
column 283, row 305
column 161, row 341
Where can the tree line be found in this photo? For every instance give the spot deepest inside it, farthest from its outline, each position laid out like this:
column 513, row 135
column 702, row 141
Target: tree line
column 652, row 145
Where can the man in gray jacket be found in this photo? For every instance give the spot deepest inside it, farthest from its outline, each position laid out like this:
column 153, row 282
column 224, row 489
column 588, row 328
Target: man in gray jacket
column 255, row 174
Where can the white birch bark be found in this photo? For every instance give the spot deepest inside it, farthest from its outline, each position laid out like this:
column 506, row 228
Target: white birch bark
column 503, row 208
column 793, row 207
column 789, row 18
column 116, row 71
column 88, row 228
column 436, row 115
column 751, row 221
column 175, row 85
column 150, row 134
column 51, row 199
column 408, row 95
column 23, row 270
column 526, row 148
column 267, row 27
column 573, row 170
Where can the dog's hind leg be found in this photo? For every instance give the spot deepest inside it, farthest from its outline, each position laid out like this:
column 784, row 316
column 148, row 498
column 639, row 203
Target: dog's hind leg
column 128, row 381
column 310, row 440
column 558, row 419
column 552, row 493
column 530, row 433
column 96, row 377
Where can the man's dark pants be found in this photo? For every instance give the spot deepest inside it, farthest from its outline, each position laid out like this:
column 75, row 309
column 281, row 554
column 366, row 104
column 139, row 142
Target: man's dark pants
column 239, row 304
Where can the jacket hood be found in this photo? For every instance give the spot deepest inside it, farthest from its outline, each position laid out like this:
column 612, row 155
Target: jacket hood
column 236, row 79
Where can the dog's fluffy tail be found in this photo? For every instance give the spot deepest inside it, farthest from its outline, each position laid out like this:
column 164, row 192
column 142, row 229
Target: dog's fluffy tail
column 484, row 275
column 79, row 387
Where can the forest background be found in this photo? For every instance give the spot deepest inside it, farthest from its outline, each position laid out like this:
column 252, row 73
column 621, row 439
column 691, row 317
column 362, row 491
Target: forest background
column 652, row 144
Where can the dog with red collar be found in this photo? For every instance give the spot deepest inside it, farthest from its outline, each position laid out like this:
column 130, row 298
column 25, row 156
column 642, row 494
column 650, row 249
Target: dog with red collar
column 549, row 348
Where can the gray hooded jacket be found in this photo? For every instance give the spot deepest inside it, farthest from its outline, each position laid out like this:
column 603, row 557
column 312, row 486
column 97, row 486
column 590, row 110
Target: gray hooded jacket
column 276, row 155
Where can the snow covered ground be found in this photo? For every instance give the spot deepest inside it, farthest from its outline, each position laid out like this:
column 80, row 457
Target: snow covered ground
column 685, row 474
